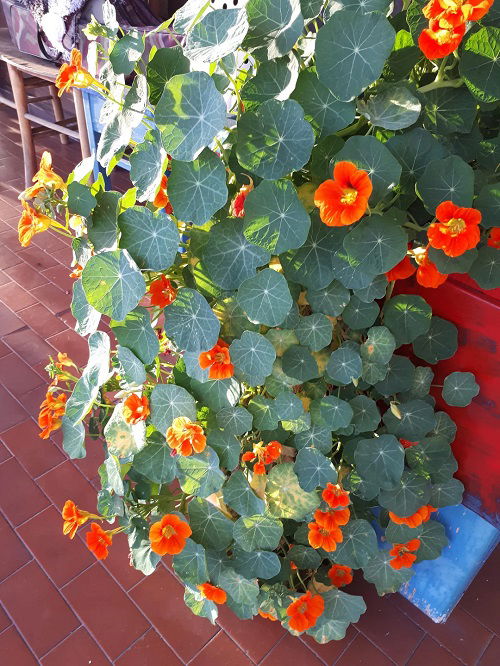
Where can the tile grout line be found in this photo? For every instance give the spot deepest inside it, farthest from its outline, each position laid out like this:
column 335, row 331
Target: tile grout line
column 492, row 638
column 132, row 645
column 416, row 648
column 271, row 650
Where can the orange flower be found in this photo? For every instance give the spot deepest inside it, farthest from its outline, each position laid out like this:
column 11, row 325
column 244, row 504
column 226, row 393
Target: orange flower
column 304, row 611
column 470, row 10
column 168, row 535
column 427, row 273
column 162, row 292
column 73, row 518
column 64, row 361
column 135, row 409
column 420, row 516
column 441, row 38
column 333, row 518
column 98, row 541
column 73, row 75
column 494, row 238
column 238, row 204
column 44, row 178
column 401, row 271
column 185, row 436
column 344, row 199
column 402, row 553
column 406, row 444
column 213, row 593
column 334, row 496
column 340, row 575
column 161, row 199
column 31, row 222
column 456, row 231
column 271, row 452
column 218, row 360
column 76, row 272
column 324, row 537
column 265, row 455
column 51, row 412
column 267, row 616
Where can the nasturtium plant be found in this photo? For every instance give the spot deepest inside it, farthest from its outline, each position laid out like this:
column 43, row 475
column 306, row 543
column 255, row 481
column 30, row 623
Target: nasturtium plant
column 260, row 383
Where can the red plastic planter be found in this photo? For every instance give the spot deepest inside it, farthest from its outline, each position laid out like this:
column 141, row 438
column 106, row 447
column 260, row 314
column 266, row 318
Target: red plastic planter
column 476, row 313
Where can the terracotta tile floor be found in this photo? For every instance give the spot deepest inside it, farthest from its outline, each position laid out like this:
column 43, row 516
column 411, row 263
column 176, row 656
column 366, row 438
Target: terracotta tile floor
column 60, row 607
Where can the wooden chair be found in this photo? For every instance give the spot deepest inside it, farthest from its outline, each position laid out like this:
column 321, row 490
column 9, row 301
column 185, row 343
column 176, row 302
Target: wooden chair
column 28, row 74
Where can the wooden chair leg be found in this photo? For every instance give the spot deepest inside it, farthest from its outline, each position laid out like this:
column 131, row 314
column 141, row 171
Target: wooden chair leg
column 19, row 92
column 81, row 122
column 58, row 111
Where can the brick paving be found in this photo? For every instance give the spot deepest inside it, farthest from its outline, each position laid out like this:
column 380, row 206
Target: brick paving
column 58, row 605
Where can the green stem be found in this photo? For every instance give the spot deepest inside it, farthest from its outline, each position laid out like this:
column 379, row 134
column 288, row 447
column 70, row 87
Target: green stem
column 352, row 129
column 454, row 83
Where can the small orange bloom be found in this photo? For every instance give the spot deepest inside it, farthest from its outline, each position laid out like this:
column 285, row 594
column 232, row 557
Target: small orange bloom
column 304, row 611
column 213, row 593
column 135, row 409
column 333, row 518
column 469, row 10
column 324, row 537
column 406, row 444
column 427, row 273
column 185, row 436
column 161, row 199
column 401, row 271
column 267, row 616
column 51, row 412
column 441, row 38
column 238, row 204
column 420, row 516
column 44, row 178
column 340, row 575
column 334, row 496
column 98, row 541
column 162, row 292
column 403, row 555
column 168, row 535
column 76, row 272
column 218, row 360
column 73, row 75
column 73, row 518
column 494, row 238
column 265, row 455
column 31, row 222
column 64, row 361
column 457, row 229
column 344, row 199
column 271, row 452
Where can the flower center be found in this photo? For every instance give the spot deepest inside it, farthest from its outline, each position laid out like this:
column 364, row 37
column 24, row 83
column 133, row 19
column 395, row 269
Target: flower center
column 349, row 196
column 220, row 357
column 168, row 531
column 324, row 531
column 456, row 225
column 302, row 608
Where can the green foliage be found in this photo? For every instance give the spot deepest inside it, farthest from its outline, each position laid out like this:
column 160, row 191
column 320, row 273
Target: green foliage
column 277, row 328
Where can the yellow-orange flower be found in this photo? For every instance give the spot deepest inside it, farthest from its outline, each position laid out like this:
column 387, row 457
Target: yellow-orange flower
column 218, row 360
column 51, row 412
column 457, row 229
column 31, row 222
column 343, row 200
column 168, row 535
column 135, row 409
column 213, row 593
column 304, row 611
column 73, row 75
column 184, row 436
column 73, row 518
column 161, row 199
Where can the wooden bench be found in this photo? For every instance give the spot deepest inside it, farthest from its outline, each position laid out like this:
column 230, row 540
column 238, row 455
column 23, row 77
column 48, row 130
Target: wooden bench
column 27, row 75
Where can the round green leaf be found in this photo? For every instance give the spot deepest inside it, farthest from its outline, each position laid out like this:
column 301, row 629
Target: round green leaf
column 146, row 165
column 438, row 343
column 381, row 460
column 407, row 317
column 274, row 140
column 445, row 180
column 87, row 318
column 256, row 564
column 217, row 393
column 240, row 497
column 486, row 268
column 351, row 50
column 400, row 373
column 358, row 546
column 103, row 231
column 126, row 52
column 274, row 27
column 132, row 368
column 445, row 264
column 136, row 333
column 112, row 283
column 394, row 108
column 275, row 79
column 431, row 456
column 459, row 388
column 190, row 113
column 322, row 109
column 210, row 526
column 379, row 345
column 378, row 243
column 358, row 315
column 449, row 110
column 275, row 219
column 412, row 492
column 265, row 298
column 330, row 300
column 288, row 406
column 253, row 357
column 313, row 469
column 351, row 272
column 151, row 239
column 191, row 564
column 263, row 412
column 304, row 557
column 197, row 190
column 257, row 532
column 414, row 150
column 169, row 401
column 479, row 64
column 165, row 63
column 229, row 258
column 344, row 365
column 190, row 322
column 373, row 291
column 155, row 462
column 417, row 419
column 281, row 339
column 379, row 571
column 286, row 499
column 448, row 493
column 216, row 35
column 226, row 446
column 432, row 541
column 298, row 362
column 318, row 437
column 488, row 202
column 200, row 473
column 331, row 412
column 366, row 416
column 444, row 426
column 234, row 420
column 314, row 331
